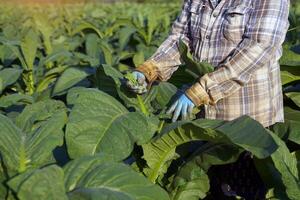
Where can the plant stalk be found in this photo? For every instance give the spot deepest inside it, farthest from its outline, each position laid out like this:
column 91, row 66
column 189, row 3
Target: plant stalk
column 29, row 82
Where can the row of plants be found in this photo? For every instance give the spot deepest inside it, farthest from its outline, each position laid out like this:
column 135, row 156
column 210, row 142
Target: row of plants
column 69, row 129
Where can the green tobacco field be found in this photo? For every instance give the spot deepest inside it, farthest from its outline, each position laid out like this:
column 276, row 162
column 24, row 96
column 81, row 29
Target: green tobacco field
column 69, row 129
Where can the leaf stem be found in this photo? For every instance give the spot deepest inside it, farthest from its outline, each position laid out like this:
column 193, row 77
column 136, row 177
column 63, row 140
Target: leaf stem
column 142, row 105
column 295, row 28
column 161, row 125
column 22, row 157
column 31, row 83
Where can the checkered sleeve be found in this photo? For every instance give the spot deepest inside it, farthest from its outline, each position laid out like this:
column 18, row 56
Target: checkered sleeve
column 166, row 59
column 265, row 32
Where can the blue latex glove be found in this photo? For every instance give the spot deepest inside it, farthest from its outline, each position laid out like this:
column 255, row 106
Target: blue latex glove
column 182, row 106
column 141, row 79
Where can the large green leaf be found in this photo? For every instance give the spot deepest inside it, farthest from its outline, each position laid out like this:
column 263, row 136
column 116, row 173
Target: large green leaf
column 15, row 99
column 60, row 56
column 33, row 116
column 124, row 36
column 237, row 132
column 86, row 59
column 191, row 183
column 211, row 154
column 138, row 58
column 69, row 78
column 99, row 123
column 161, row 152
column 29, row 142
column 106, row 78
column 280, row 172
column 286, row 164
column 49, row 78
column 152, row 23
column 46, row 183
column 3, row 189
column 86, row 25
column 296, row 154
column 9, row 31
column 106, row 56
column 165, row 92
column 295, row 97
column 7, row 56
column 289, row 57
column 42, row 23
column 276, row 194
column 8, row 76
column 91, row 46
column 197, row 69
column 29, row 47
column 290, row 129
column 16, row 51
column 287, row 77
column 97, row 178
column 180, row 77
column 293, row 70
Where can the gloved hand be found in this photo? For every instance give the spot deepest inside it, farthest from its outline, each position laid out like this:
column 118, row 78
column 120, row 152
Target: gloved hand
column 138, row 84
column 182, row 106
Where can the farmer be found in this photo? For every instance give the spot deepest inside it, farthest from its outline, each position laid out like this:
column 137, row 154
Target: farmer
column 242, row 39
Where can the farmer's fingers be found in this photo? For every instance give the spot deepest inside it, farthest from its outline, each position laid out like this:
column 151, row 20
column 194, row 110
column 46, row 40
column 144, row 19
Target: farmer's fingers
column 172, row 108
column 184, row 112
column 131, row 86
column 177, row 112
column 139, row 92
column 141, row 79
column 190, row 110
column 137, row 89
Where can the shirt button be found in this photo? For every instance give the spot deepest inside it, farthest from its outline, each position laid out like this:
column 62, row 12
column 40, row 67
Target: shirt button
column 208, row 37
column 215, row 14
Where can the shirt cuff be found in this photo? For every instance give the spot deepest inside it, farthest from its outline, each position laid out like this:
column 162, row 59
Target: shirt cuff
column 197, row 94
column 205, row 91
column 149, row 69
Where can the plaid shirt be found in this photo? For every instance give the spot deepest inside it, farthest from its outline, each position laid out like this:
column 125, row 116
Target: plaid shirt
column 242, row 39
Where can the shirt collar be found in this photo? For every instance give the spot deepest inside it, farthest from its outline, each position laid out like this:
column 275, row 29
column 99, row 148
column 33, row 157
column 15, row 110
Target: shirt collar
column 214, row 2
